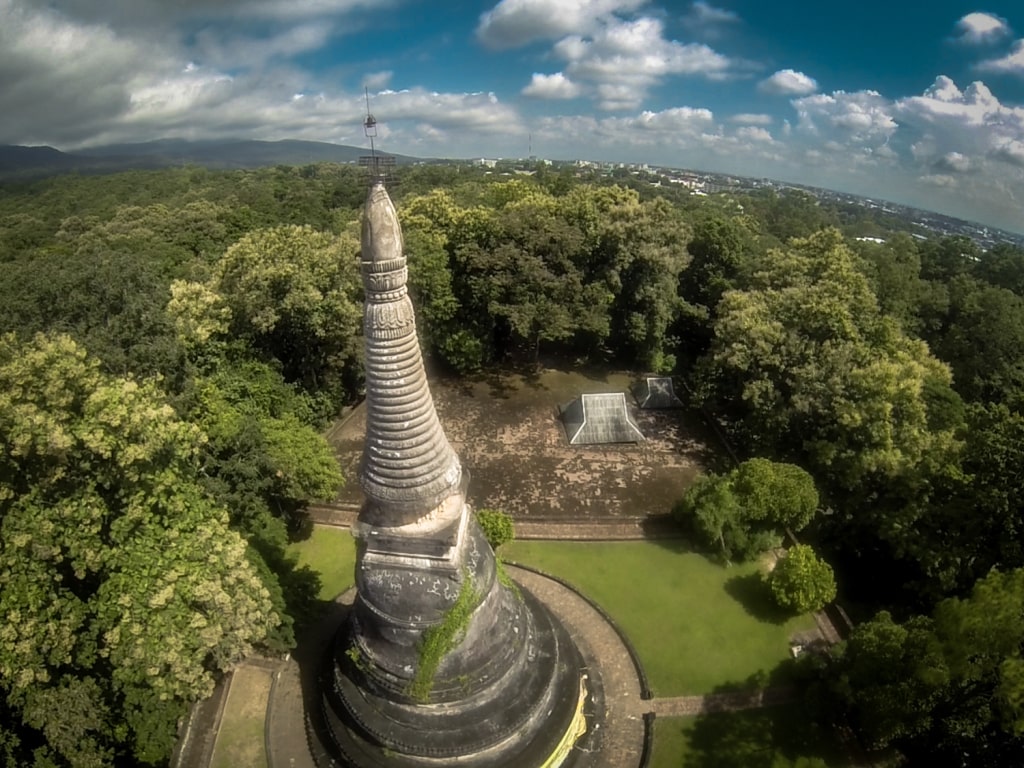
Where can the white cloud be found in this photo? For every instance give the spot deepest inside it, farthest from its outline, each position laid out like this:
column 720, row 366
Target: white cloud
column 556, row 86
column 625, row 58
column 862, row 117
column 1010, row 150
column 102, row 87
column 971, row 124
column 1013, row 62
column 708, row 20
column 705, row 13
column 512, row 23
column 376, row 81
column 980, row 27
column 939, row 180
column 747, row 118
column 754, row 133
column 954, row 162
column 215, row 49
column 674, row 119
column 146, row 15
column 60, row 80
column 944, row 103
column 788, row 81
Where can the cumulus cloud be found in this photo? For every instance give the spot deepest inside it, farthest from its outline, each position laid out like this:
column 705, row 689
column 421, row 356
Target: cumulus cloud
column 954, row 162
column 625, row 58
column 101, row 87
column 861, row 117
column 971, row 123
column 754, row 133
column 943, row 103
column 1012, row 63
column 790, row 82
column 674, row 119
column 981, row 28
column 1010, row 150
column 748, row 118
column 512, row 23
column 60, row 80
column 556, row 86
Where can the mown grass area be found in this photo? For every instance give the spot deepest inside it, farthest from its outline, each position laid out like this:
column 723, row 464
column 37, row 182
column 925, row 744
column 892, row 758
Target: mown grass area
column 240, row 740
column 776, row 737
column 331, row 552
column 697, row 626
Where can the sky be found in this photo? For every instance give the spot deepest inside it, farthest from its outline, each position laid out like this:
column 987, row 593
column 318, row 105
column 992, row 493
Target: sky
column 919, row 103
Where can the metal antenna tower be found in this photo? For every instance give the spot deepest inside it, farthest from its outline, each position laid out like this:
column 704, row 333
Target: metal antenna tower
column 379, row 165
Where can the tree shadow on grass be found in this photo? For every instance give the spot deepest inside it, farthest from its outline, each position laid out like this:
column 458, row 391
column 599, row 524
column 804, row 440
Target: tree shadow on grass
column 773, row 737
column 753, row 594
column 677, row 544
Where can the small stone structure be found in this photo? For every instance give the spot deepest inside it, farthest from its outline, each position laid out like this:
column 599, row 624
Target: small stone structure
column 442, row 659
column 656, row 392
column 599, row 418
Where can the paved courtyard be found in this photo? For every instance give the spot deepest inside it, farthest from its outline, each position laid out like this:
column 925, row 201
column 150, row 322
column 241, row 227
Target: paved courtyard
column 507, row 433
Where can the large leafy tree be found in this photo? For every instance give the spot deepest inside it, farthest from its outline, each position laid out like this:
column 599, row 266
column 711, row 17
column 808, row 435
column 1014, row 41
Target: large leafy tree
column 122, row 590
column 945, row 689
column 745, row 512
column 980, row 334
column 294, row 295
column 804, row 363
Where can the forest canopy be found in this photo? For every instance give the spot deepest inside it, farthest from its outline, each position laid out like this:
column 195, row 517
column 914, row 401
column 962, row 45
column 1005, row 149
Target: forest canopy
column 175, row 341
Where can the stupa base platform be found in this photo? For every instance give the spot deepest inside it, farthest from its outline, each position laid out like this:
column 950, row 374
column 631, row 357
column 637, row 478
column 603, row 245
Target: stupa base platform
column 614, row 737
column 535, row 724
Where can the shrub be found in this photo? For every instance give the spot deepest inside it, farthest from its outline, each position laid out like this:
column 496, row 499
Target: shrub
column 801, row 581
column 497, row 526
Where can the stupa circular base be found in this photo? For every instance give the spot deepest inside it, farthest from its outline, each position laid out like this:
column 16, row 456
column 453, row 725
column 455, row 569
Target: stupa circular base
column 535, row 724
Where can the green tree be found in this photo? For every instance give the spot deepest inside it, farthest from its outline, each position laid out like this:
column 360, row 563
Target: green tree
column 945, row 689
column 894, row 268
column 710, row 509
column 804, row 364
column 294, row 295
column 775, row 494
column 945, row 258
column 801, row 581
column 981, row 336
column 889, row 678
column 1003, row 267
column 744, row 513
column 123, row 591
column 497, row 526
column 646, row 243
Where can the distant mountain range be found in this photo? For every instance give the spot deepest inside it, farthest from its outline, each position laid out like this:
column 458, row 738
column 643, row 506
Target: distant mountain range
column 34, row 162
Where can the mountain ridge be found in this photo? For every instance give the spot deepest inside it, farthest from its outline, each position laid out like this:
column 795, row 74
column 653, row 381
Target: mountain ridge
column 26, row 162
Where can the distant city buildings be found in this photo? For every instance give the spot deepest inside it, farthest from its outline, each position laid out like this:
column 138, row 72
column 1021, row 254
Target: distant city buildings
column 919, row 223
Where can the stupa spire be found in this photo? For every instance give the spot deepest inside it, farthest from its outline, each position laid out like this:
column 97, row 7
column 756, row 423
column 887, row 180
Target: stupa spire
column 408, row 465
column 439, row 662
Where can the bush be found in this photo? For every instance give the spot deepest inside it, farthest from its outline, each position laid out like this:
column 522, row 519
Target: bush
column 801, row 581
column 497, row 526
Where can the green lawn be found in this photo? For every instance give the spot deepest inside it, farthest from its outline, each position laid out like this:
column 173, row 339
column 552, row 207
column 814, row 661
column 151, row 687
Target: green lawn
column 331, row 552
column 696, row 625
column 776, row 737
column 240, row 740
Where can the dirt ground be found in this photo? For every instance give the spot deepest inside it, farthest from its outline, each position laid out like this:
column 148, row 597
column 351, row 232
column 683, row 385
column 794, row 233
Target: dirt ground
column 506, row 431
